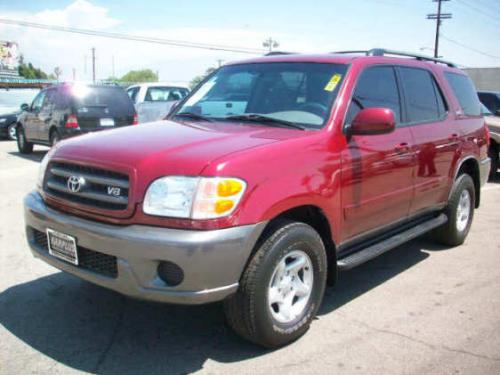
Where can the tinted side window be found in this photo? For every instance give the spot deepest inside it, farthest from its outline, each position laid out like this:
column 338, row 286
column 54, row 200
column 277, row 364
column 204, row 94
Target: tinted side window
column 132, row 93
column 422, row 101
column 465, row 93
column 49, row 102
column 36, row 106
column 376, row 87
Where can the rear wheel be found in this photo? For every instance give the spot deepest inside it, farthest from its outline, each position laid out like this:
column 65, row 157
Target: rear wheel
column 12, row 132
column 23, row 145
column 282, row 287
column 54, row 138
column 460, row 212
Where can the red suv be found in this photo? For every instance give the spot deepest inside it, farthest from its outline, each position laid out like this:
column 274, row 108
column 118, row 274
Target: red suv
column 269, row 178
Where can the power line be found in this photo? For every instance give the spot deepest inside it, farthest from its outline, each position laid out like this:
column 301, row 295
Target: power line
column 469, row 48
column 137, row 38
column 479, row 11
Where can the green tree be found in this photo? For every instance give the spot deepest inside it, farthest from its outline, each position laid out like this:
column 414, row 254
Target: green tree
column 197, row 80
column 29, row 71
column 144, row 75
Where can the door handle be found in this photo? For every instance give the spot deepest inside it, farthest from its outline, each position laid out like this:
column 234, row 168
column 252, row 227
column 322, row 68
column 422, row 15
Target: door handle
column 402, row 147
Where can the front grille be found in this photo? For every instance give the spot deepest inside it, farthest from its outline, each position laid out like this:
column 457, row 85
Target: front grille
column 89, row 186
column 90, row 260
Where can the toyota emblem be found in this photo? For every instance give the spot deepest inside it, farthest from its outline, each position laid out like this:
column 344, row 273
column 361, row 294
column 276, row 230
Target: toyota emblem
column 75, row 183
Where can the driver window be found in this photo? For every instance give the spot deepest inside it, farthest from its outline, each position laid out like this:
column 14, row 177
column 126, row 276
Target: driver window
column 376, row 88
column 36, row 106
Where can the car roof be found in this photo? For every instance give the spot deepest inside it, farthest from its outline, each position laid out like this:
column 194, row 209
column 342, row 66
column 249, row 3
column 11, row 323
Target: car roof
column 160, row 84
column 348, row 58
column 489, row 92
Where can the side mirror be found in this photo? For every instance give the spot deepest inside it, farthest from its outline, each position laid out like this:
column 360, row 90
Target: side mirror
column 25, row 107
column 373, row 121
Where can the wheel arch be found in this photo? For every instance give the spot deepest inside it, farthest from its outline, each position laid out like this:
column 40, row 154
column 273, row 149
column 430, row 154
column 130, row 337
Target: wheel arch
column 470, row 165
column 315, row 217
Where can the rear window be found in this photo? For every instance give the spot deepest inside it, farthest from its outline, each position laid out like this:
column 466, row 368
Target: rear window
column 115, row 99
column 164, row 94
column 423, row 99
column 465, row 93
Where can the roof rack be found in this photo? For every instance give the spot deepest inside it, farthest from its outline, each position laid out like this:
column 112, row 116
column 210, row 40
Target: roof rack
column 276, row 53
column 383, row 52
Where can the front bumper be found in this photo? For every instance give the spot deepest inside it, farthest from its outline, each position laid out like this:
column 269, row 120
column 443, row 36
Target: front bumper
column 212, row 261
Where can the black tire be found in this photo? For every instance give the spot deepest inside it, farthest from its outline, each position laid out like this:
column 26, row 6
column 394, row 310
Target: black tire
column 493, row 155
column 54, row 138
column 12, row 132
column 247, row 311
column 450, row 234
column 23, row 145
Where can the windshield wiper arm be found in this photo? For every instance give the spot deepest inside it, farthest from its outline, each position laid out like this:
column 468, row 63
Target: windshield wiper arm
column 255, row 117
column 193, row 116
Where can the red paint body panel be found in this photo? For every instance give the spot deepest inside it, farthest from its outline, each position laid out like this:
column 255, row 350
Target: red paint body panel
column 360, row 183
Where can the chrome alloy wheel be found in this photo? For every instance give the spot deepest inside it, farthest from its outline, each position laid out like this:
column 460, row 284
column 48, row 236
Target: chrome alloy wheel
column 463, row 210
column 12, row 131
column 290, row 287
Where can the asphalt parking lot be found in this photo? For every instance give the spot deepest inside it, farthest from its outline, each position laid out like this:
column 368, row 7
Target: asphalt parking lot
column 418, row 309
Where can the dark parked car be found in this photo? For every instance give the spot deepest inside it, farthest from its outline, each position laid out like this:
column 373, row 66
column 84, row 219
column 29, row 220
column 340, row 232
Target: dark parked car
column 66, row 110
column 10, row 99
column 8, row 126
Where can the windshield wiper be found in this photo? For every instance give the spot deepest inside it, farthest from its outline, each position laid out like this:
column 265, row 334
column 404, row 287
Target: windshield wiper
column 255, row 117
column 193, row 116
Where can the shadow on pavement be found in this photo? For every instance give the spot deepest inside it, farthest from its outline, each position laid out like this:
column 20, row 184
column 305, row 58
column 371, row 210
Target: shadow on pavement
column 92, row 329
column 35, row 156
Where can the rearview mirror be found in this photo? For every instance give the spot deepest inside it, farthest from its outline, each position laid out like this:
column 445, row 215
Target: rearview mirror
column 373, row 121
column 25, row 107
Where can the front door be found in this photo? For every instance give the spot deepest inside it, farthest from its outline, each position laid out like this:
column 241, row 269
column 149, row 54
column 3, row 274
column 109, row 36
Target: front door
column 377, row 170
column 31, row 122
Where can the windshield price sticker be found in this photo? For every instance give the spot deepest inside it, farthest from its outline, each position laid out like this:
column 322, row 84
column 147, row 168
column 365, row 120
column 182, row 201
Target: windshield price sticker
column 330, row 86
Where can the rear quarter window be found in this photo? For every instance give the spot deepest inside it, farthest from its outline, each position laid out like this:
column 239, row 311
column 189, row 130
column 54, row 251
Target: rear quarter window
column 464, row 91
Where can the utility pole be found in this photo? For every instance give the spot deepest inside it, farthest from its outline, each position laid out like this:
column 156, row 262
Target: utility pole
column 270, row 43
column 74, row 74
column 113, row 65
column 93, row 64
column 219, row 62
column 438, row 17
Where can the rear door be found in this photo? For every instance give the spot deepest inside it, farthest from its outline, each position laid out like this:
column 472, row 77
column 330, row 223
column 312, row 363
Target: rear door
column 377, row 170
column 437, row 139
column 46, row 115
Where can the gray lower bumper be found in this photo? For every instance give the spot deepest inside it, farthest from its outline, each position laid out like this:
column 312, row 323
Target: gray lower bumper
column 484, row 170
column 212, row 261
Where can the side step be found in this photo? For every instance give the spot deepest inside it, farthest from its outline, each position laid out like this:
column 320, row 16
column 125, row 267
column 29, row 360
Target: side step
column 390, row 243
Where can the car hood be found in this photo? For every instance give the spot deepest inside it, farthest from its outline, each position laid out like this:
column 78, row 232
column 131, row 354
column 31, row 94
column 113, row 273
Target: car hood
column 168, row 147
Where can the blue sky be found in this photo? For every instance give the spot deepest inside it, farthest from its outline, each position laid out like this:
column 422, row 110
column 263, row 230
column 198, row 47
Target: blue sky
column 313, row 26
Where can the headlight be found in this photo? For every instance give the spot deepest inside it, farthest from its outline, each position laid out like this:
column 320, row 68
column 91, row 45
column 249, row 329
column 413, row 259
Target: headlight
column 43, row 166
column 193, row 197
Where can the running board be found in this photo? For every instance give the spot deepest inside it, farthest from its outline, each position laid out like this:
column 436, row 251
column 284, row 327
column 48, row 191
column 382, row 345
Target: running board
column 390, row 243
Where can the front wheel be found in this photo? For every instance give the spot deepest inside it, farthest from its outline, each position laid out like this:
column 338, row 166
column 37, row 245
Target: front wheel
column 282, row 287
column 460, row 212
column 23, row 145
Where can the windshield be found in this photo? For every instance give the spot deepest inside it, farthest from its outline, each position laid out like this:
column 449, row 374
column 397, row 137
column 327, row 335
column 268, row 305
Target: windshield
column 300, row 93
column 164, row 94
